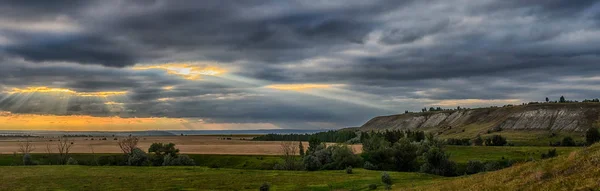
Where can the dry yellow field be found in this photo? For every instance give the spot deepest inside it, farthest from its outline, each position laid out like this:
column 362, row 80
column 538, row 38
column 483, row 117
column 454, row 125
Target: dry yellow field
column 186, row 144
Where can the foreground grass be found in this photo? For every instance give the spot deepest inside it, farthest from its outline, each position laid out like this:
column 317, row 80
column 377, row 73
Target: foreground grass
column 194, row 178
column 579, row 170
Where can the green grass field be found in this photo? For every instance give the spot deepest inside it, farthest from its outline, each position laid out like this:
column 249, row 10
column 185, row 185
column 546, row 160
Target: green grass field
column 195, row 178
column 462, row 154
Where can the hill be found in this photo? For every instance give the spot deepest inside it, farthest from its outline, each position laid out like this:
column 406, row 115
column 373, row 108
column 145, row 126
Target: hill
column 578, row 170
column 539, row 120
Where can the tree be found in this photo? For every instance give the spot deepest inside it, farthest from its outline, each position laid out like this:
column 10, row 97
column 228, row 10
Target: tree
column 160, row 150
column 64, row 147
column 128, row 144
column 495, row 140
column 562, row 99
column 478, row 141
column 288, row 151
column 568, row 142
column 25, row 147
column 137, row 157
column 592, row 136
column 301, row 149
column 547, row 100
column 386, row 179
column 404, row 155
column 437, row 162
column 313, row 143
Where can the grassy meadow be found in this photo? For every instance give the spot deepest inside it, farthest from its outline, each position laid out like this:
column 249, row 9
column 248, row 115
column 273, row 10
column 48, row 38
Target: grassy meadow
column 195, row 178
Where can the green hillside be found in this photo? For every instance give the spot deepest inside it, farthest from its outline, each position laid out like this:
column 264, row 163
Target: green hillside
column 579, row 170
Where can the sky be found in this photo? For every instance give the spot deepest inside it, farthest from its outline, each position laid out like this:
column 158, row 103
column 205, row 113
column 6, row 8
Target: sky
column 284, row 64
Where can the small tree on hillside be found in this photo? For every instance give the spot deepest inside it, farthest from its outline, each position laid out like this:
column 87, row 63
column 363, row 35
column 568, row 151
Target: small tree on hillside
column 592, row 136
column 562, row 99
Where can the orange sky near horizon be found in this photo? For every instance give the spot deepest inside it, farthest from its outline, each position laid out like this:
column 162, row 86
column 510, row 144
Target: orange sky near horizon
column 9, row 121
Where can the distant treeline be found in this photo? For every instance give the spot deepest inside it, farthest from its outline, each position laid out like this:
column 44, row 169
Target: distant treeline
column 328, row 136
column 344, row 136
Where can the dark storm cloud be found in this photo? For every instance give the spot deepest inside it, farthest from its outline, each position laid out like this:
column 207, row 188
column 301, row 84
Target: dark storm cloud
column 77, row 49
column 389, row 50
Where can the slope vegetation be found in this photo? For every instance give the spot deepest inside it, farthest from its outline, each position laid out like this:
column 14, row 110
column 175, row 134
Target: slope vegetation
column 579, row 170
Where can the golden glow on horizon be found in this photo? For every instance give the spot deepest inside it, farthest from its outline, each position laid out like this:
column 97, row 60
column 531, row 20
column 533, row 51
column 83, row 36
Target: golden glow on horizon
column 43, row 89
column 12, row 121
column 300, row 87
column 188, row 71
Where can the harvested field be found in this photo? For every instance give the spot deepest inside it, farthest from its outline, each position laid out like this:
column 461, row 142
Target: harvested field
column 238, row 145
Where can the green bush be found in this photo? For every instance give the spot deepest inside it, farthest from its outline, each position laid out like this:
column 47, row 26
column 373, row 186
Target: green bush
column 312, row 163
column 27, row 159
column 550, row 154
column 437, row 162
column 386, row 179
column 475, row 167
column 349, row 170
column 181, row 160
column 592, row 136
column 495, row 140
column 342, row 156
column 404, row 155
column 71, row 161
column 568, row 142
column 137, row 157
column 372, row 186
column 265, row 187
column 370, row 166
column 478, row 141
column 160, row 150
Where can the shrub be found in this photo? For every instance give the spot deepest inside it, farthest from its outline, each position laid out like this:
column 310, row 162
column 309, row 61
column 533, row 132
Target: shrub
column 342, row 156
column 160, row 150
column 372, row 186
column 181, row 160
column 71, row 161
column 495, row 140
column 437, row 162
column 386, row 179
column 265, row 187
column 568, row 142
column 551, row 153
column 369, row 166
column 349, row 170
column 137, row 157
column 113, row 160
column 475, row 167
column 592, row 135
column 463, row 142
column 27, row 159
column 404, row 155
column 312, row 163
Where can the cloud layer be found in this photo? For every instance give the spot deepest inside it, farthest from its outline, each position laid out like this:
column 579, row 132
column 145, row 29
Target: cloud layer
column 296, row 64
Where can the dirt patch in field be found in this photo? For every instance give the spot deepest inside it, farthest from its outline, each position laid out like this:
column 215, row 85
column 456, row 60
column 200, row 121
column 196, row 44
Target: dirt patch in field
column 237, row 145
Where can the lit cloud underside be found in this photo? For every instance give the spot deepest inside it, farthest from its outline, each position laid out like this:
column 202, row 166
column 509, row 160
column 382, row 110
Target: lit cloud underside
column 301, row 87
column 43, row 89
column 188, row 71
